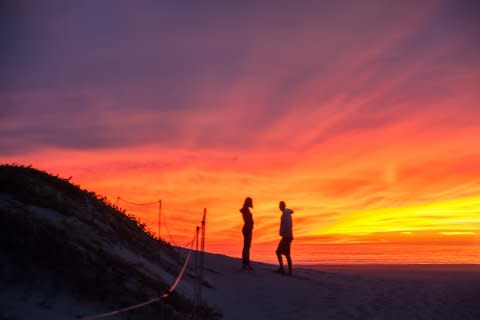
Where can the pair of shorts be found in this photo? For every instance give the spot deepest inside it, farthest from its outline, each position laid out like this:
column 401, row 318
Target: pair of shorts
column 284, row 246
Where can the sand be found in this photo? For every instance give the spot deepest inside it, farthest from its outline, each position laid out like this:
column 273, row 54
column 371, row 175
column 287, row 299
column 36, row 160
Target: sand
column 344, row 292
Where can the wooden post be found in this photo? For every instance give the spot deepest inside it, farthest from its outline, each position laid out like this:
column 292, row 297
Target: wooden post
column 196, row 282
column 159, row 218
column 202, row 256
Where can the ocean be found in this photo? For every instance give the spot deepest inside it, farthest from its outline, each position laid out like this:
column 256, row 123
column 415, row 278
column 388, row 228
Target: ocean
column 364, row 253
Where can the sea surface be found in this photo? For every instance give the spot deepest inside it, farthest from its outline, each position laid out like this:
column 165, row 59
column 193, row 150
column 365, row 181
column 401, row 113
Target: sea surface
column 341, row 254
column 387, row 254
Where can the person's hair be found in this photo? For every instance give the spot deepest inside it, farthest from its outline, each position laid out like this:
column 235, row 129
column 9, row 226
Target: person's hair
column 248, row 203
column 282, row 204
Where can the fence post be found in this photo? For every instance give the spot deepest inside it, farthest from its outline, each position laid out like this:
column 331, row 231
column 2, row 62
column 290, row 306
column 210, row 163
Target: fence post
column 202, row 257
column 195, row 283
column 159, row 218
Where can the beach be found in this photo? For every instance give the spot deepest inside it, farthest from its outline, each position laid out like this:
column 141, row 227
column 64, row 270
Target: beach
column 343, row 291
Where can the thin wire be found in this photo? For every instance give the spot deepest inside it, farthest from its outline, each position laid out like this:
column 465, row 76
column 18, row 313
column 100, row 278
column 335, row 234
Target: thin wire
column 170, row 235
column 189, row 243
column 152, row 300
column 112, row 313
column 138, row 204
column 184, row 267
column 164, row 220
column 168, row 230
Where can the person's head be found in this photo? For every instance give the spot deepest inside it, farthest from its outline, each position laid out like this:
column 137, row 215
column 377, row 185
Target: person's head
column 248, row 203
column 282, row 205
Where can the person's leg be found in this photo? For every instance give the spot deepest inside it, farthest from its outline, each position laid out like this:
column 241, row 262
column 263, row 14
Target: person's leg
column 279, row 255
column 289, row 257
column 289, row 261
column 280, row 262
column 248, row 243
column 244, row 251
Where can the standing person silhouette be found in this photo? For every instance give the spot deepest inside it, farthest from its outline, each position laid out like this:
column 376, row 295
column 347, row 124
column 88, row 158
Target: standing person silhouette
column 247, row 232
column 287, row 236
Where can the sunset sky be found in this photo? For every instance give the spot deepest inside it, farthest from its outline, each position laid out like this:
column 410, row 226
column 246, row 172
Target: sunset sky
column 364, row 116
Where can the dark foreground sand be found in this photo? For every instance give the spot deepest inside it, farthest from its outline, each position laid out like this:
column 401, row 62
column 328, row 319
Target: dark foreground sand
column 345, row 292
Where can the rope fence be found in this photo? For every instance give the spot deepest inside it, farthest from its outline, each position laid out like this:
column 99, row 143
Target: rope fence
column 151, row 300
column 162, row 219
column 198, row 241
column 136, row 203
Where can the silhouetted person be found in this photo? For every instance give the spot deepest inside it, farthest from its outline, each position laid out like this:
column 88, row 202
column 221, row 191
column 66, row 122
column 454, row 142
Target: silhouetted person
column 247, row 232
column 287, row 237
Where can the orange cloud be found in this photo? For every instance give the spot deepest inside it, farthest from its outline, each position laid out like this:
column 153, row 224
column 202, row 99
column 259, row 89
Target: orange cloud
column 363, row 119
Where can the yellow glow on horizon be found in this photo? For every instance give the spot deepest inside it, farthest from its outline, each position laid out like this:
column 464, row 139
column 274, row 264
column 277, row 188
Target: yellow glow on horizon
column 460, row 214
column 456, row 233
